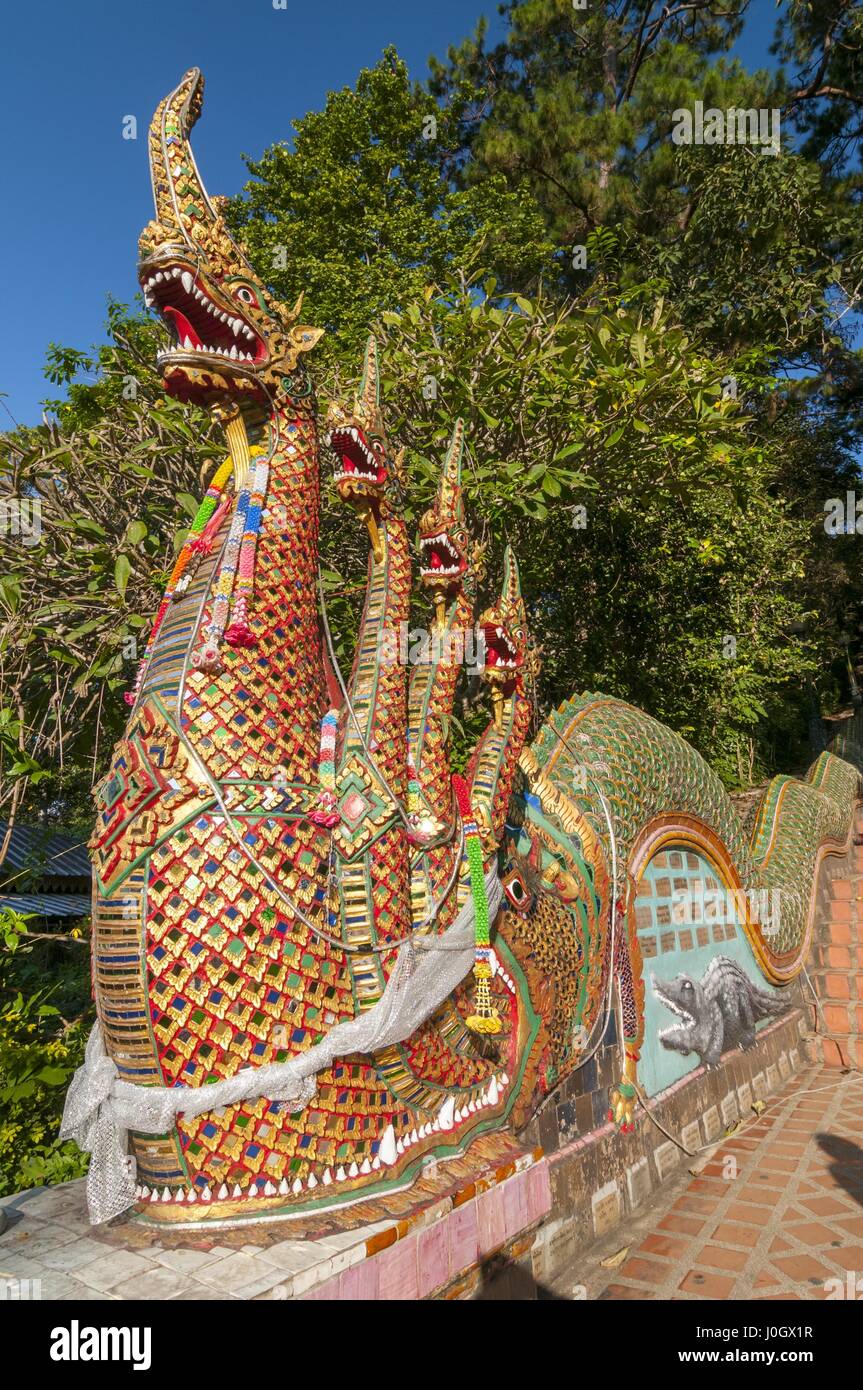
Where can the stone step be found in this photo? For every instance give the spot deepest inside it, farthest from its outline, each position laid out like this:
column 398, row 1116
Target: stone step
column 837, row 984
column 834, row 956
column 842, row 1050
column 839, row 928
column 842, row 1018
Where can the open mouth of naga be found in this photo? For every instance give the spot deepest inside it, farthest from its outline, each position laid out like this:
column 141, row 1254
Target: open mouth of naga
column 439, row 559
column 500, row 653
column 205, row 332
column 355, row 461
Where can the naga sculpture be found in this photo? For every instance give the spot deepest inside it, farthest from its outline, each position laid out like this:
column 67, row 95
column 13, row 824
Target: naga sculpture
column 281, row 857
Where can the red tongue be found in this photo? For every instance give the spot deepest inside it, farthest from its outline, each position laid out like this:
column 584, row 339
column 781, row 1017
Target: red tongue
column 183, row 327
column 435, row 561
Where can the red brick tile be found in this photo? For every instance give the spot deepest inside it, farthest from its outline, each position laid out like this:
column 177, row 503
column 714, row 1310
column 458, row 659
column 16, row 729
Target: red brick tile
column 724, row 1259
column 619, row 1292
column 754, row 1197
column 711, row 1187
column 776, row 1164
column 852, row 1224
column 683, row 1225
column 801, row 1267
column 747, row 1212
column 706, row 1284
column 846, row 1256
column 664, row 1245
column 836, row 986
column 840, row 933
column 732, row 1233
column 811, row 1233
column 698, row 1206
column 648, row 1271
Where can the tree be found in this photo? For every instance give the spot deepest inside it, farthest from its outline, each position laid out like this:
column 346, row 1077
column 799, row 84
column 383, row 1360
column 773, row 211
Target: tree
column 361, row 212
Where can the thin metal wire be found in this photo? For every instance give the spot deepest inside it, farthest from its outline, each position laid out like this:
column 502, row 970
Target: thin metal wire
column 276, row 887
column 613, row 906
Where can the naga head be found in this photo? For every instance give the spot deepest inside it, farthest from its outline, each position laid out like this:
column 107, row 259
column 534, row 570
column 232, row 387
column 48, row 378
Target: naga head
column 444, row 540
column 234, row 343
column 358, row 440
column 504, row 632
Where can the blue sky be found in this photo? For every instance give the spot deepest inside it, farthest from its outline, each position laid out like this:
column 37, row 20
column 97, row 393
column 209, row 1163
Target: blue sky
column 78, row 193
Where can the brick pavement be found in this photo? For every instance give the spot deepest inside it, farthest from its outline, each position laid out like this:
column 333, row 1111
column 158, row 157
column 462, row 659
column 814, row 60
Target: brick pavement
column 776, row 1213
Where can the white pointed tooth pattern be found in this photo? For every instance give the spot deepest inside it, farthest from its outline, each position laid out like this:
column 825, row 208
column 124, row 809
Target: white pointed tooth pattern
column 445, row 1115
column 388, row 1150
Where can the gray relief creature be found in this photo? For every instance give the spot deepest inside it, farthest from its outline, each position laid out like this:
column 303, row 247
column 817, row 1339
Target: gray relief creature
column 718, row 1012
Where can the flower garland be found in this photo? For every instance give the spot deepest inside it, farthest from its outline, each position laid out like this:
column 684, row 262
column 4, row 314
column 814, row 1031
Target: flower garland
column 485, row 1018
column 212, row 505
column 238, row 634
column 236, row 574
column 326, row 811
column 424, row 827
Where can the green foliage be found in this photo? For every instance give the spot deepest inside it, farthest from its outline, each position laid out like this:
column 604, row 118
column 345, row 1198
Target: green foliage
column 359, row 214
column 112, row 478
column 39, row 1051
column 641, row 503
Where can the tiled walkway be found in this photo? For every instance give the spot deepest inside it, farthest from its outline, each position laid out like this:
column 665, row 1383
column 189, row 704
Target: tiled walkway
column 777, row 1212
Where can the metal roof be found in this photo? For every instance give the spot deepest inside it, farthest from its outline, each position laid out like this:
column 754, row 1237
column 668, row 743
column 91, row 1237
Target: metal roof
column 44, row 852
column 49, row 904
